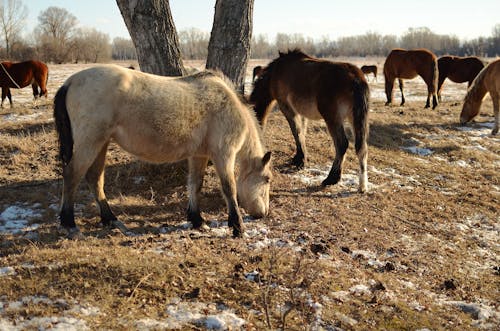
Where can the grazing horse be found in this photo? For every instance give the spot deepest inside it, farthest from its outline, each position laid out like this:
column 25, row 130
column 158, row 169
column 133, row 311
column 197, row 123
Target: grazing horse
column 310, row 88
column 160, row 119
column 488, row 80
column 257, row 72
column 458, row 69
column 407, row 64
column 370, row 69
column 22, row 74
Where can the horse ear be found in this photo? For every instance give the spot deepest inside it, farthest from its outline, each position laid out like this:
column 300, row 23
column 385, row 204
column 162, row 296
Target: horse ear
column 266, row 159
column 281, row 54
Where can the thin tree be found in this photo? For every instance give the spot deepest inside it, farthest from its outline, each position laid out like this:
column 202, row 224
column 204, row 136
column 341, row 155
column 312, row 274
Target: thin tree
column 229, row 46
column 55, row 31
column 153, row 32
column 12, row 16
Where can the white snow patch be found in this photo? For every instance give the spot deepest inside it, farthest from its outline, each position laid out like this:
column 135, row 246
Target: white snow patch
column 418, row 150
column 7, row 271
column 15, row 219
column 181, row 314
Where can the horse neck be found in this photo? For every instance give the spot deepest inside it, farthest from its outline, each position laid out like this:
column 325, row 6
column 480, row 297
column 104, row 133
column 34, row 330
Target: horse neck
column 477, row 91
column 252, row 148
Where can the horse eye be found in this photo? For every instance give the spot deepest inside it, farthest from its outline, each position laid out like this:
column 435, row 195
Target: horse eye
column 267, row 179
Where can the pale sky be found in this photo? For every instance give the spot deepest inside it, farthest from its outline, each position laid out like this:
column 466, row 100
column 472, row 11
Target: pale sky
column 311, row 18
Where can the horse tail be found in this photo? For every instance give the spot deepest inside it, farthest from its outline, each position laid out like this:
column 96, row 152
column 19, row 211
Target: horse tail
column 63, row 125
column 435, row 76
column 361, row 96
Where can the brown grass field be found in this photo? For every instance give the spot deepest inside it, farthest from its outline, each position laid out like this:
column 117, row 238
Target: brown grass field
column 419, row 251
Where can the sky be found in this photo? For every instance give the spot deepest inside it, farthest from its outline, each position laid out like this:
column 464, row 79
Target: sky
column 311, row 18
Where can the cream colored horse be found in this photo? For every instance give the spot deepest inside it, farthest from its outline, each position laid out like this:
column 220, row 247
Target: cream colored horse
column 160, row 119
column 488, row 80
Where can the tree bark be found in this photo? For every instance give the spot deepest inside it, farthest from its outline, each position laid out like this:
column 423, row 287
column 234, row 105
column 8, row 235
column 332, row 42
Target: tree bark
column 153, row 32
column 229, row 46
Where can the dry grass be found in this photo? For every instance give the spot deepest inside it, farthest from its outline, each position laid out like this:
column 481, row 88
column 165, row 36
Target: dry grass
column 407, row 255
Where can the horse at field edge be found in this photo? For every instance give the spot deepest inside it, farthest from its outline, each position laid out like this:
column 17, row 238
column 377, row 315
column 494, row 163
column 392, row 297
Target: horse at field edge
column 369, row 69
column 407, row 64
column 487, row 81
column 22, row 74
column 160, row 119
column 310, row 88
column 458, row 70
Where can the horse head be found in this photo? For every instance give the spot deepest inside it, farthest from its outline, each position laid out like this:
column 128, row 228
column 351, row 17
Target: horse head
column 253, row 186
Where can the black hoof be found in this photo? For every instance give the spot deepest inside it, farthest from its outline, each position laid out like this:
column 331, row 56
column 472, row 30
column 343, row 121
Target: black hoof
column 298, row 162
column 71, row 232
column 195, row 219
column 237, row 232
column 331, row 180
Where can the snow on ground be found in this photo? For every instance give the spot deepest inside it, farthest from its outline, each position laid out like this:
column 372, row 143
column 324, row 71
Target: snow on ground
column 18, row 218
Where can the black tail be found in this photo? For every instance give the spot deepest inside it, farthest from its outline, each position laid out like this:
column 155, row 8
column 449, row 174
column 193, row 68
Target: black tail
column 361, row 94
column 63, row 125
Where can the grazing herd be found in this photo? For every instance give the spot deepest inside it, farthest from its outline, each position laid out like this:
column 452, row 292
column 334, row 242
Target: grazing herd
column 200, row 118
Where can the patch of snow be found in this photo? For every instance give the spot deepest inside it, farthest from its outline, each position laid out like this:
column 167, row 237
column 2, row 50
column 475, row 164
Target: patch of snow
column 7, row 271
column 418, row 150
column 360, row 289
column 15, row 219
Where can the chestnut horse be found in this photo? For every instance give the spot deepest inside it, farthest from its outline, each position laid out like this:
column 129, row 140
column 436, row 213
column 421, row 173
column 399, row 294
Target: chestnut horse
column 407, row 64
column 160, row 119
column 370, row 69
column 22, row 74
column 488, row 80
column 458, row 69
column 310, row 88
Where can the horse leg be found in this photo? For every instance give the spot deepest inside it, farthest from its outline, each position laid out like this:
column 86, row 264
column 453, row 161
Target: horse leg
column 298, row 125
column 440, row 86
column 4, row 95
column 341, row 143
column 34, row 86
column 400, row 81
column 389, row 85
column 10, row 97
column 225, row 169
column 73, row 173
column 95, row 180
column 495, row 98
column 197, row 167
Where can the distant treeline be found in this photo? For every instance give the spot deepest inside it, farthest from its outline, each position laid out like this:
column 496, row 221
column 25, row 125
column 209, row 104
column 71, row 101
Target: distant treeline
column 57, row 39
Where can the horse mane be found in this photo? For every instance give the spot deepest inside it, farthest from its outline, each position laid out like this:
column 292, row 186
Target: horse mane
column 477, row 90
column 211, row 73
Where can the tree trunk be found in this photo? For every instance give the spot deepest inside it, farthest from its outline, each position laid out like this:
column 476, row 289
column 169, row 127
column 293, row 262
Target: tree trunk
column 152, row 29
column 229, row 47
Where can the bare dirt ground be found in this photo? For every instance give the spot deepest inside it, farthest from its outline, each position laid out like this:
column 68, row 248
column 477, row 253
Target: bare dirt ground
column 419, row 251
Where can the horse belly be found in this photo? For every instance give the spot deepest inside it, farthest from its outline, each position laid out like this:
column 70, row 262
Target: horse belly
column 156, row 147
column 306, row 108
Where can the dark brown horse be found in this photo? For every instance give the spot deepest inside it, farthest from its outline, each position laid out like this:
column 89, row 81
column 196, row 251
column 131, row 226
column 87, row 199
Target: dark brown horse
column 22, row 74
column 309, row 88
column 257, row 71
column 407, row 64
column 372, row 69
column 458, row 69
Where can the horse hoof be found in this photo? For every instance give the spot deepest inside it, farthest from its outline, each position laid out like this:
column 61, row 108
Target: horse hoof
column 298, row 163
column 330, row 181
column 237, row 232
column 71, row 233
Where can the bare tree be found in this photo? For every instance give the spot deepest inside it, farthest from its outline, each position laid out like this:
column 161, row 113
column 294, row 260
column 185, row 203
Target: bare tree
column 123, row 49
column 12, row 16
column 91, row 45
column 229, row 47
column 152, row 29
column 55, row 31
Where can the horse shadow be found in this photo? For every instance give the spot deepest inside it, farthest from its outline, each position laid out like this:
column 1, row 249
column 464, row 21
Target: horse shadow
column 162, row 186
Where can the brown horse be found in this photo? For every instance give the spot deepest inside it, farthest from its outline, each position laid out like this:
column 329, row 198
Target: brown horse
column 458, row 69
column 257, row 72
column 160, row 119
column 22, row 74
column 407, row 64
column 370, row 69
column 309, row 88
column 488, row 80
